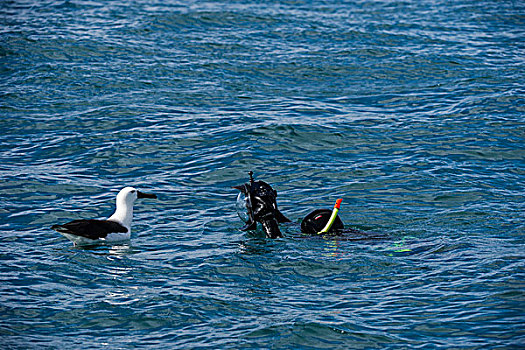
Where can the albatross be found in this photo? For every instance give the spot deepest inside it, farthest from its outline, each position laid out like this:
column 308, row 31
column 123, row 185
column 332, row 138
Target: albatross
column 115, row 228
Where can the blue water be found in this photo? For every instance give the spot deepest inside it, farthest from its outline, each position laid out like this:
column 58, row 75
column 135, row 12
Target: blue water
column 411, row 111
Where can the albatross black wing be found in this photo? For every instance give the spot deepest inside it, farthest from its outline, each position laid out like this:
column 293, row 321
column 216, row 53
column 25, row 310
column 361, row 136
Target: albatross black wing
column 92, row 229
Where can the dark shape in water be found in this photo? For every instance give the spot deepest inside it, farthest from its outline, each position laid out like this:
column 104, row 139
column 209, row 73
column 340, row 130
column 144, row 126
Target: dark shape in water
column 260, row 205
column 314, row 222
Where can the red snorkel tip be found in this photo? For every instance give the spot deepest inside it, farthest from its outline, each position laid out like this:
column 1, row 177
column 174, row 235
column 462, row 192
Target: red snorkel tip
column 338, row 203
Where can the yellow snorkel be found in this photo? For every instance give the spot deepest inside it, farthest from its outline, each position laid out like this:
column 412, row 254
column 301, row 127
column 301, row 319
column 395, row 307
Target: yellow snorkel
column 332, row 217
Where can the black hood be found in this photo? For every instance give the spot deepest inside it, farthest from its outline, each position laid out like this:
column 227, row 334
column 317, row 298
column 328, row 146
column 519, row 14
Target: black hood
column 315, row 221
column 261, row 206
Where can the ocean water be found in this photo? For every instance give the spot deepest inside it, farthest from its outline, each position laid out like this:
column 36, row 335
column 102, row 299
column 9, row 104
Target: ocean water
column 411, row 111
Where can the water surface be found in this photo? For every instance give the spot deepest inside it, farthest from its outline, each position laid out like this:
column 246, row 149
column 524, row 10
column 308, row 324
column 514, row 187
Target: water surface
column 410, row 111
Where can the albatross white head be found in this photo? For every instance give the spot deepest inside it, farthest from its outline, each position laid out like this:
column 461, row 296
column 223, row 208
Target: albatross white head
column 125, row 200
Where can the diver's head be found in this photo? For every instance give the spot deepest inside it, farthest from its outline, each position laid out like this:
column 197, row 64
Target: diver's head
column 314, row 222
column 257, row 202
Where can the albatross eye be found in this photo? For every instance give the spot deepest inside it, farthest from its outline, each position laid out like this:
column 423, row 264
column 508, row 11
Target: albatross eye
column 133, row 191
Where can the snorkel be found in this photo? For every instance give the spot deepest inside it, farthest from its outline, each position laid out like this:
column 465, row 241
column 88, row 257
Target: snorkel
column 332, row 217
column 257, row 203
